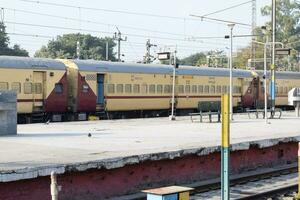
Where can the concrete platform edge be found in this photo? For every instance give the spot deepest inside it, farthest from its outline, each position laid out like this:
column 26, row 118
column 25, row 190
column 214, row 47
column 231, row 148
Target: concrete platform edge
column 118, row 162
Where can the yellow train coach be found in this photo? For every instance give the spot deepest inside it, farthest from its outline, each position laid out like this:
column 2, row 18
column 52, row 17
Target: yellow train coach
column 40, row 84
column 74, row 89
column 124, row 89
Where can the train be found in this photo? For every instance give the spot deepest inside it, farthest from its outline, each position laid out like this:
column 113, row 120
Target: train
column 67, row 89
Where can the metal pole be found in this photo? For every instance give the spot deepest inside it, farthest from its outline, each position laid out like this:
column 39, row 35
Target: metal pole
column 273, row 56
column 297, row 109
column 172, row 117
column 106, row 50
column 225, row 150
column 119, row 47
column 265, row 81
column 298, row 194
column 54, row 186
column 230, row 71
column 78, row 50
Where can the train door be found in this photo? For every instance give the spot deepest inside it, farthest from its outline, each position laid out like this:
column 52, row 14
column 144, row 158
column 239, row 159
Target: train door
column 100, row 88
column 38, row 90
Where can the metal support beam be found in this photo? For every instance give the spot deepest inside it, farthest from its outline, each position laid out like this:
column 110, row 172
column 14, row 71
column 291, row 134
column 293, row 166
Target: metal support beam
column 231, row 26
column 172, row 116
column 298, row 195
column 273, row 83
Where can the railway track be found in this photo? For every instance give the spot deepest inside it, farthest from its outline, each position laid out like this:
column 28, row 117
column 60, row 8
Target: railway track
column 281, row 184
column 261, row 184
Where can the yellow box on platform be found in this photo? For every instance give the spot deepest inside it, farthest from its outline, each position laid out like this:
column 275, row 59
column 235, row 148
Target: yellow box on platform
column 93, row 118
column 184, row 196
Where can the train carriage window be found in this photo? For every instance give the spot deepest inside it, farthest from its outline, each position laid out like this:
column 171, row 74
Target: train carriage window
column 3, row 86
column 152, row 89
column 167, row 89
column 224, row 89
column 128, row 88
column 194, row 89
column 38, row 88
column 280, row 90
column 111, row 88
column 27, row 88
column 120, row 88
column 200, row 89
column 187, row 89
column 219, row 89
column 206, row 89
column 159, row 89
column 234, row 89
column 144, row 88
column 136, row 88
column 276, row 90
column 212, row 89
column 16, row 87
column 285, row 90
column 58, row 88
column 239, row 89
column 180, row 89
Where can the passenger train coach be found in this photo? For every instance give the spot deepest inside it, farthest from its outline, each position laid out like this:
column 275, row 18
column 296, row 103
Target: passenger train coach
column 74, row 89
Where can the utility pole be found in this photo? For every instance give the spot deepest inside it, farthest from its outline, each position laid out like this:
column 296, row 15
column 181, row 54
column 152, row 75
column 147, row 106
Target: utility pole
column 118, row 37
column 253, row 50
column 2, row 15
column 231, row 26
column 273, row 93
column 106, row 54
column 78, row 50
column 148, row 56
column 172, row 116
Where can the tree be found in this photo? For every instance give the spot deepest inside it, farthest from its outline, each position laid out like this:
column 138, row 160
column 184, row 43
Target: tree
column 194, row 59
column 16, row 50
column 287, row 21
column 65, row 46
column 287, row 32
column 211, row 59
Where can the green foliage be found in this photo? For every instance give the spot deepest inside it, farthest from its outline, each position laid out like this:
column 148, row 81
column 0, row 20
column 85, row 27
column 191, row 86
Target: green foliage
column 287, row 32
column 194, row 59
column 4, row 45
column 65, row 46
column 211, row 58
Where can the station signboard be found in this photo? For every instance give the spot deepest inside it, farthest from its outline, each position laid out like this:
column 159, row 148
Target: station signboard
column 164, row 56
column 283, row 52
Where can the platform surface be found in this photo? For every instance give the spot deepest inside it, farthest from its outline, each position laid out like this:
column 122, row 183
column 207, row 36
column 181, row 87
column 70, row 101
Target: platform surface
column 44, row 145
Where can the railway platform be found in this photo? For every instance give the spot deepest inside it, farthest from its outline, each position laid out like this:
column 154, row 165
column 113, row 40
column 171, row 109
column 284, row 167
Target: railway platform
column 109, row 158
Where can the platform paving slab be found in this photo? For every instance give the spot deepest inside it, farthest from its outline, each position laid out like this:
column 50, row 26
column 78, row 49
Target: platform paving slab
column 40, row 148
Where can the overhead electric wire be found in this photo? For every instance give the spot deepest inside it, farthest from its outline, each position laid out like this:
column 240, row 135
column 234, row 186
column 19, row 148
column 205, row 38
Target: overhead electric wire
column 106, row 32
column 29, row 35
column 221, row 20
column 109, row 10
column 90, row 21
column 113, row 11
column 228, row 8
column 103, row 10
column 207, row 44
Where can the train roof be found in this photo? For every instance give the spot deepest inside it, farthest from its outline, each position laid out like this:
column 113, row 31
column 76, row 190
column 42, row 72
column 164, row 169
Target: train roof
column 15, row 62
column 105, row 66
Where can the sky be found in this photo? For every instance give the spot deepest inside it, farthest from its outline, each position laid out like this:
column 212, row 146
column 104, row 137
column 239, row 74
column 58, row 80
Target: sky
column 181, row 31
